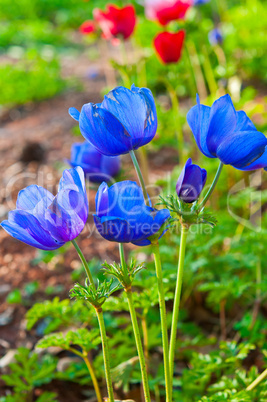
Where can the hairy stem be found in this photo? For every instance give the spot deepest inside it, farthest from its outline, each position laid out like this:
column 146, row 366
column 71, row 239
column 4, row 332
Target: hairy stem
column 99, row 313
column 163, row 319
column 136, row 330
column 177, row 297
column 91, row 370
column 105, row 348
column 84, row 262
column 212, row 187
column 138, row 345
column 140, row 176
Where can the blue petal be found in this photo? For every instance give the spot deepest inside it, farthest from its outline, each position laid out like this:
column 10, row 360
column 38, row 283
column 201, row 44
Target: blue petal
column 141, row 221
column 104, row 131
column 244, row 123
column 141, row 243
column 102, row 201
column 73, row 179
column 123, row 197
column 113, row 229
column 25, row 227
column 204, row 177
column 198, row 119
column 223, row 120
column 130, row 108
column 67, row 215
column 180, row 180
column 151, row 123
column 30, row 196
column 161, row 217
column 110, row 165
column 242, row 148
column 192, row 185
column 259, row 163
column 74, row 113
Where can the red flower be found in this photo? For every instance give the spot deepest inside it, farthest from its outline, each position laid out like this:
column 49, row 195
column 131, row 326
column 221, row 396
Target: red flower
column 87, row 27
column 116, row 21
column 169, row 46
column 166, row 10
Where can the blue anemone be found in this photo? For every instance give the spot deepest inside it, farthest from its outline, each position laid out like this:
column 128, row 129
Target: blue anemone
column 96, row 166
column 222, row 132
column 47, row 222
column 215, row 37
column 124, row 121
column 122, row 215
column 191, row 182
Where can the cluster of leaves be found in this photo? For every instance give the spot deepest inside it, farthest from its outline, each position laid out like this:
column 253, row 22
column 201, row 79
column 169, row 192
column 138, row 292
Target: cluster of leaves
column 31, row 79
column 28, row 372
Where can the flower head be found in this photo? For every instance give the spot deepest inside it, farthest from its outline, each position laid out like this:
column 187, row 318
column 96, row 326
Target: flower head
column 96, row 166
column 165, row 11
column 115, row 21
column 124, row 121
column 47, row 222
column 191, row 182
column 87, row 27
column 122, row 215
column 222, row 132
column 169, row 46
column 215, row 36
column 200, row 2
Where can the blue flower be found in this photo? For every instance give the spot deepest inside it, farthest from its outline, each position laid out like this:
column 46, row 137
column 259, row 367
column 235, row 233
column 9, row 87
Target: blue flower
column 191, row 182
column 200, row 2
column 124, row 121
column 96, row 166
column 215, row 37
column 222, row 132
column 47, row 222
column 122, row 216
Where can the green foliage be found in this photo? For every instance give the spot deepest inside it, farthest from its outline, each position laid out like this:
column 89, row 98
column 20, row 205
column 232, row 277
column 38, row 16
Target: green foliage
column 14, row 297
column 45, row 397
column 87, row 340
column 60, row 313
column 31, row 79
column 29, row 372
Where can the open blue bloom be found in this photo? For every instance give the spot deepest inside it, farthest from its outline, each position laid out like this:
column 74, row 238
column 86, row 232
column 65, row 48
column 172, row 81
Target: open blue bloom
column 191, row 182
column 124, row 121
column 122, row 215
column 96, row 166
column 47, row 222
column 222, row 132
column 215, row 37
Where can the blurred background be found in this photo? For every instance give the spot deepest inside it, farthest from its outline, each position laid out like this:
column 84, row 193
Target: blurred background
column 55, row 55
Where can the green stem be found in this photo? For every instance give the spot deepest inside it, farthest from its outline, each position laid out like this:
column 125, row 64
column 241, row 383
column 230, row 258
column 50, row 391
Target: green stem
column 84, row 262
column 100, row 317
column 140, row 176
column 138, row 344
column 258, row 380
column 177, row 297
column 137, row 335
column 212, row 187
column 123, row 264
column 145, row 338
column 91, row 370
column 163, row 318
column 105, row 348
